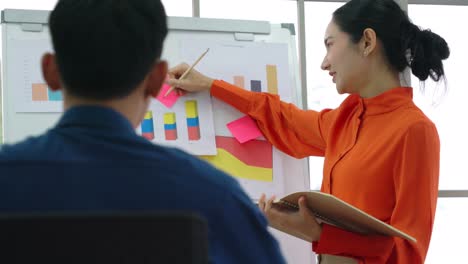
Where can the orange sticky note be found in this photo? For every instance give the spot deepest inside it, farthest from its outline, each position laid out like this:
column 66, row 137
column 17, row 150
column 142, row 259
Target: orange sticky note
column 244, row 129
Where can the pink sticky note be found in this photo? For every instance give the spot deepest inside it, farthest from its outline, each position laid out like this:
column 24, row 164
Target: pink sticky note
column 244, row 129
column 168, row 100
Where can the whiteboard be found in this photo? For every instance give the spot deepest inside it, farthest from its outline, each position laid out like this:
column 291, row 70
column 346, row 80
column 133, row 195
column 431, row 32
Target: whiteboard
column 21, row 119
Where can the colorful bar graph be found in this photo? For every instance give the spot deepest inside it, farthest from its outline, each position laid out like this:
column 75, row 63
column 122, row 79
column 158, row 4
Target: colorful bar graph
column 239, row 81
column 39, row 92
column 272, row 79
column 170, row 126
column 252, row 160
column 147, row 127
column 193, row 124
column 255, row 86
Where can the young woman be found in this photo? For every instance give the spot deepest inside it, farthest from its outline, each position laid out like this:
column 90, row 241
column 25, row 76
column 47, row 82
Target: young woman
column 381, row 151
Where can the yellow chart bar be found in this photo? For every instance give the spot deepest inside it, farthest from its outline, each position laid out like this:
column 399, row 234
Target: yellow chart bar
column 149, row 115
column 191, row 109
column 169, row 118
column 272, row 79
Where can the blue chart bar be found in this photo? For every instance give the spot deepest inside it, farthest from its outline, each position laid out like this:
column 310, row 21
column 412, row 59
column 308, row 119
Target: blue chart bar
column 170, row 126
column 55, row 95
column 255, row 86
column 192, row 122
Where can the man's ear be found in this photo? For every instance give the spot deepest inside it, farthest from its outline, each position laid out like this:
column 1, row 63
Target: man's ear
column 156, row 78
column 369, row 41
column 50, row 72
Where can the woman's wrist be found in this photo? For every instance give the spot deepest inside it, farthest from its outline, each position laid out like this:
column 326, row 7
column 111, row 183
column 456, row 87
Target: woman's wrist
column 317, row 233
column 209, row 84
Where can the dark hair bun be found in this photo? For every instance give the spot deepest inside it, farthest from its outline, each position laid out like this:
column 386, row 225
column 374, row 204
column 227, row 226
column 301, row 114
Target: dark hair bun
column 427, row 50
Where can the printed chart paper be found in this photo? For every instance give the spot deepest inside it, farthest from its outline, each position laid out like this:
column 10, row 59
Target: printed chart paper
column 31, row 94
column 258, row 67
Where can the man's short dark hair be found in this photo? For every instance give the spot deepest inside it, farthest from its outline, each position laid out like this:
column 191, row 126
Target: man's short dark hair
column 105, row 48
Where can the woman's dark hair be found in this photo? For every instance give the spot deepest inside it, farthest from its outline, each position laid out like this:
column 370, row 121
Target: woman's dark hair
column 105, row 48
column 404, row 43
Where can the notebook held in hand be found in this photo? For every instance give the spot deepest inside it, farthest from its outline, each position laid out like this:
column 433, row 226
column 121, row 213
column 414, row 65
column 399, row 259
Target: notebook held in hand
column 331, row 210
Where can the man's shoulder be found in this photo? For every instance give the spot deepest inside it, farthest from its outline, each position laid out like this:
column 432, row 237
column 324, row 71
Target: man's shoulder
column 13, row 151
column 165, row 161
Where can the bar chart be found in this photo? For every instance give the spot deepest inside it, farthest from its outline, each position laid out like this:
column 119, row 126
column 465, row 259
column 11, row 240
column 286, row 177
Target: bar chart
column 41, row 93
column 271, row 74
column 187, row 125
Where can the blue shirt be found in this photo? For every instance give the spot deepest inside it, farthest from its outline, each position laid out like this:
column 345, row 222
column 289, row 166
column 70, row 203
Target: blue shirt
column 93, row 160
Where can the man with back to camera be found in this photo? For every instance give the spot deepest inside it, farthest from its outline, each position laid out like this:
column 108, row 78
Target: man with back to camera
column 107, row 65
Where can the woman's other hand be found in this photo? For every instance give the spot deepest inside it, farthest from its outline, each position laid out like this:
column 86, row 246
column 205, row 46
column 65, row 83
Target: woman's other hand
column 300, row 223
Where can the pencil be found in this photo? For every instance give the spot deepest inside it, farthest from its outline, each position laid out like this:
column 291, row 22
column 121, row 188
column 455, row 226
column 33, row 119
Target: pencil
column 187, row 72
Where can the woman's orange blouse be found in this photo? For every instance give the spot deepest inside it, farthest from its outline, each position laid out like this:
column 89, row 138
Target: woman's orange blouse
column 381, row 155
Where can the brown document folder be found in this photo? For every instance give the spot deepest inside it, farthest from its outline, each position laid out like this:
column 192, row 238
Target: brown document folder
column 331, row 210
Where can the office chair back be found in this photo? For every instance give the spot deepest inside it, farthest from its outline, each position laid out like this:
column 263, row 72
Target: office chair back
column 103, row 238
